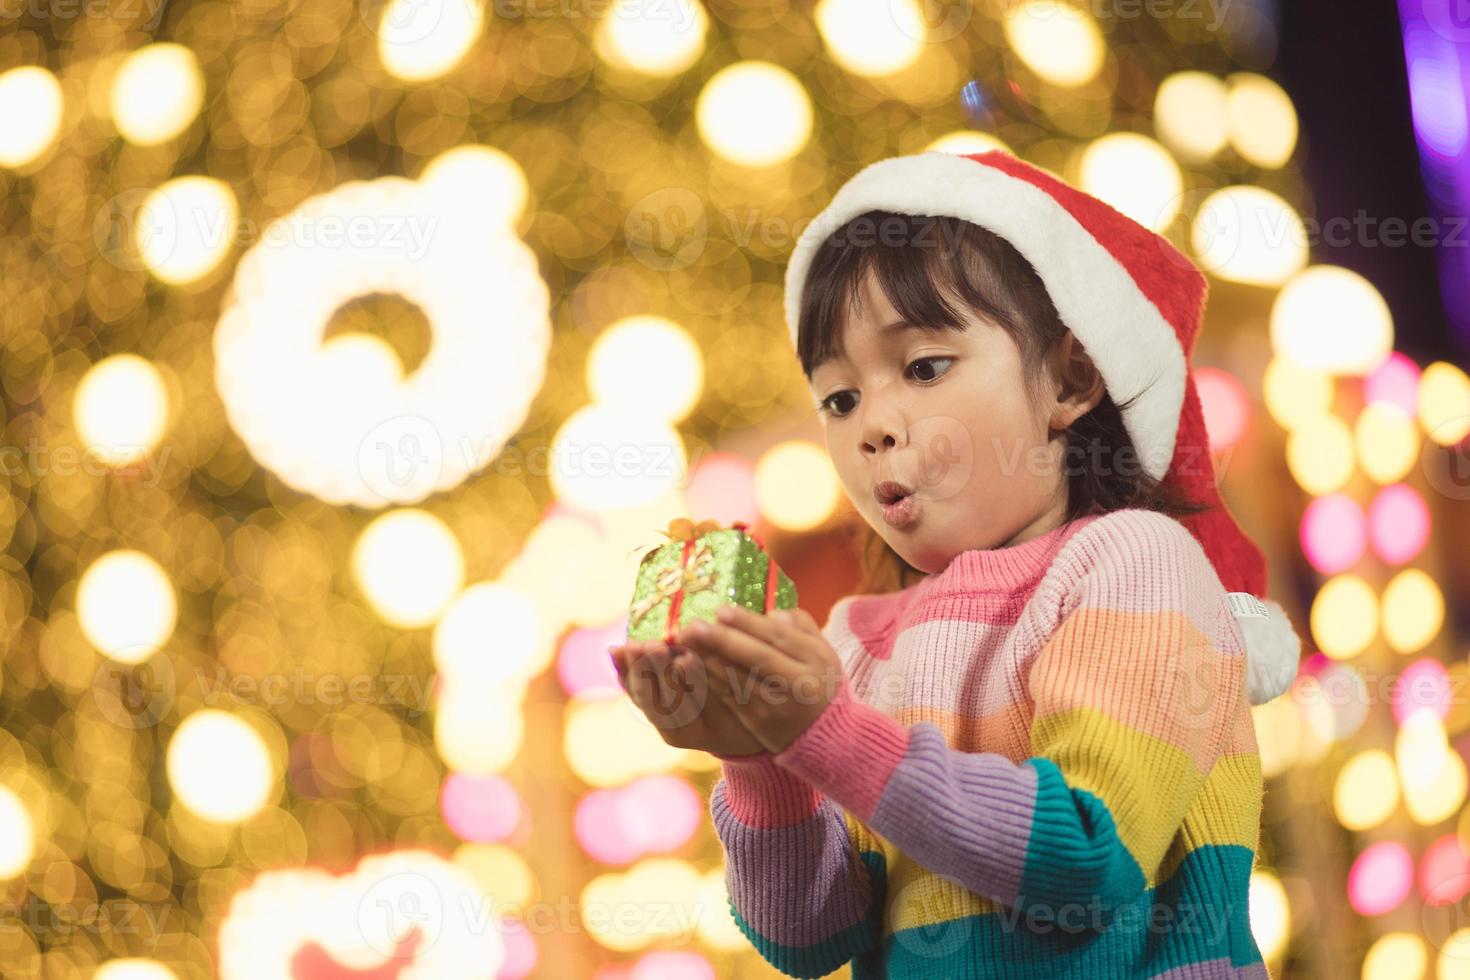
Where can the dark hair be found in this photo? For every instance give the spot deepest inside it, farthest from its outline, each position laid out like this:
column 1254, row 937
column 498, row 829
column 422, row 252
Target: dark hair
column 922, row 263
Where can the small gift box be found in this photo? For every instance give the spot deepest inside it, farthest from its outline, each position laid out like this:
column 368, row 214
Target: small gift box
column 702, row 567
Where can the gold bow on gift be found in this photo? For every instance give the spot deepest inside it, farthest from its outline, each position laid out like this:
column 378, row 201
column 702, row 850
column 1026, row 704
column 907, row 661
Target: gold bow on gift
column 695, row 577
column 682, row 528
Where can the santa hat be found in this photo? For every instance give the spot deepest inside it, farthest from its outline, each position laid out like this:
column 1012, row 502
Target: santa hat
column 1135, row 303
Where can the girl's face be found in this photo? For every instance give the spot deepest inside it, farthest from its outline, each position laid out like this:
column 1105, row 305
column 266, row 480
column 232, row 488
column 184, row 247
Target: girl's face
column 946, row 416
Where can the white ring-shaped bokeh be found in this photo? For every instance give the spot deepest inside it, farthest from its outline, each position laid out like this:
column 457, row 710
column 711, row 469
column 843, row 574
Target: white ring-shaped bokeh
column 336, row 420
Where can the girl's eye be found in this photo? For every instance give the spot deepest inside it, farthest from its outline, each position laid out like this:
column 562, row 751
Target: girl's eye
column 930, row 360
column 828, row 404
column 828, row 407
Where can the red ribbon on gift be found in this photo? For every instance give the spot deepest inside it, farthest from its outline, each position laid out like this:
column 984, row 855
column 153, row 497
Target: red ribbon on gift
column 683, row 528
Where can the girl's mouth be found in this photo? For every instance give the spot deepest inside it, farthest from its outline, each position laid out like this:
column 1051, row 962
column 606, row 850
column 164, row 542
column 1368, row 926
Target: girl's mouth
column 900, row 512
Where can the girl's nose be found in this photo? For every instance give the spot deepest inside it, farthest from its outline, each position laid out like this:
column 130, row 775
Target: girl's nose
column 882, row 430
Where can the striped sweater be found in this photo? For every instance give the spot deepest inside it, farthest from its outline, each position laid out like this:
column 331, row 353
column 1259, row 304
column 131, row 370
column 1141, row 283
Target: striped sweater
column 1041, row 763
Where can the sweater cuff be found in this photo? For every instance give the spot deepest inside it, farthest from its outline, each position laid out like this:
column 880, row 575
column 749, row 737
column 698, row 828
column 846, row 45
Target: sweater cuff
column 762, row 794
column 848, row 752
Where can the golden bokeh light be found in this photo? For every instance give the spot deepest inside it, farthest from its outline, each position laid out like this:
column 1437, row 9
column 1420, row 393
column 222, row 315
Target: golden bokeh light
column 121, row 408
column 1432, row 774
column 1248, row 234
column 1296, row 395
column 419, row 40
column 488, row 636
column 1413, row 610
column 627, row 352
column 1444, row 403
column 967, row 141
column 1344, row 616
column 1190, row 114
column 478, row 730
column 17, row 835
column 157, row 93
column 606, row 456
column 609, row 742
column 1331, row 319
column 1060, row 42
column 1387, row 442
column 30, row 114
column 872, row 39
column 660, row 40
column 1320, row 454
column 185, row 228
column 343, row 428
column 796, row 487
column 1396, row 956
column 1262, row 120
column 219, row 767
column 409, row 566
column 133, row 969
column 127, row 605
column 481, row 179
column 755, row 114
column 1367, row 790
column 1270, row 913
column 1135, row 175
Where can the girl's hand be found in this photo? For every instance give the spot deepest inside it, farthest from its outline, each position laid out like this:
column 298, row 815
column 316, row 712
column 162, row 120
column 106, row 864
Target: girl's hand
column 776, row 672
column 669, row 687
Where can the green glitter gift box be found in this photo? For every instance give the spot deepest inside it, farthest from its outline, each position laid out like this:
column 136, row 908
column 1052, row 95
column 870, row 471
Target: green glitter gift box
column 703, row 567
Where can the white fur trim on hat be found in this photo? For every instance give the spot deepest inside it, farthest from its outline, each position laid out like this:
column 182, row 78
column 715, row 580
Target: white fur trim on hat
column 1134, row 347
column 1272, row 647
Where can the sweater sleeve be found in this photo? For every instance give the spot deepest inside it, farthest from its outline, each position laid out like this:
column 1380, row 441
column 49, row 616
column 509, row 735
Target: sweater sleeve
column 1133, row 703
column 798, row 887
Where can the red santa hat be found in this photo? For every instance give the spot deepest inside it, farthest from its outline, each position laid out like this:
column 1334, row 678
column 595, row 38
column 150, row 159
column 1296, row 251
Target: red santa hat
column 1135, row 303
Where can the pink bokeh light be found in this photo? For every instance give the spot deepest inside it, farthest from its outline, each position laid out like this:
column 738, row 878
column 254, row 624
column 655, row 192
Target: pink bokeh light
column 582, row 664
column 520, row 950
column 722, row 488
column 479, row 808
column 671, row 964
column 1381, row 878
column 1226, row 406
column 1400, row 523
column 1394, row 380
column 1444, row 871
column 1334, row 533
column 654, row 814
column 1424, row 685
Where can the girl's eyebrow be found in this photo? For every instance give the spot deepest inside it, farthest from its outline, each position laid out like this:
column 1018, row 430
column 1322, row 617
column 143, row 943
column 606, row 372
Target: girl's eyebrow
column 898, row 326
column 888, row 330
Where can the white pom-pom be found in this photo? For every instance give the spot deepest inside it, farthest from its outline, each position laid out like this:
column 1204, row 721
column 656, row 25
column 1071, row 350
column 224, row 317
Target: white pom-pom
column 1273, row 649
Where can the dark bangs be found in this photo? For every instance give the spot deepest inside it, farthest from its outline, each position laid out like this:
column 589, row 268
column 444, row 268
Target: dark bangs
column 924, row 265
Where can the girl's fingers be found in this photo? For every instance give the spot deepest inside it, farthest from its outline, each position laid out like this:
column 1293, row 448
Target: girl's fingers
column 778, row 629
column 643, row 679
column 733, row 644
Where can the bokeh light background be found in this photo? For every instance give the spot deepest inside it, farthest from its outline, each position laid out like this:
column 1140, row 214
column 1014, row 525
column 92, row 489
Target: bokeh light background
column 353, row 353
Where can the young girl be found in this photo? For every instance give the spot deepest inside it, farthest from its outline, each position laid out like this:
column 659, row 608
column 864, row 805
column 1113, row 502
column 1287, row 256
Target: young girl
column 1036, row 758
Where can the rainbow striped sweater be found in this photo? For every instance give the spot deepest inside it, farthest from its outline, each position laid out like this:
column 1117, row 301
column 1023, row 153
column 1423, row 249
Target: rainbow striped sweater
column 1040, row 763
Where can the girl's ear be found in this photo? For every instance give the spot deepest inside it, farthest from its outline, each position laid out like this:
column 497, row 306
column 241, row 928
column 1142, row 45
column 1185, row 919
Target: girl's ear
column 1080, row 385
